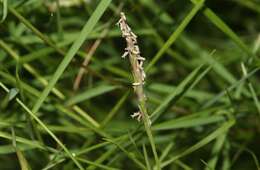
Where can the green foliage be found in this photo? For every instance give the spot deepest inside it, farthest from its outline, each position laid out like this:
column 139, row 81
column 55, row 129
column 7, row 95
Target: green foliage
column 202, row 85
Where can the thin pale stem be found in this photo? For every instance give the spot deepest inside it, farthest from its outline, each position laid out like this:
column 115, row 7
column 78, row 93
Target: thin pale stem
column 136, row 61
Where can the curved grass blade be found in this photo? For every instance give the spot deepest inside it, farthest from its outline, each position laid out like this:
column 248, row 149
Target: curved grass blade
column 4, row 10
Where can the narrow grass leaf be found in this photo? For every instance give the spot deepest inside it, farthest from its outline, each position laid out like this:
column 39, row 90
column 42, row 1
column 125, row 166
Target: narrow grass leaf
column 4, row 4
column 177, row 93
column 166, row 151
column 131, row 156
column 201, row 143
column 90, row 93
column 218, row 67
column 148, row 165
column 254, row 6
column 102, row 6
column 45, row 128
column 44, row 82
column 29, row 68
column 115, row 109
column 8, row 149
column 252, row 90
column 101, row 166
column 175, row 34
column 188, row 123
column 35, row 30
column 230, row 88
column 22, row 160
column 216, row 150
column 218, row 22
column 194, row 94
column 29, row 143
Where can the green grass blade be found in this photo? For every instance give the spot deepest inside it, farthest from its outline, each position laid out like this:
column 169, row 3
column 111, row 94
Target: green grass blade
column 29, row 68
column 148, row 165
column 252, row 90
column 254, row 6
column 9, row 149
column 231, row 87
column 166, row 151
column 175, row 34
column 90, row 93
column 199, row 95
column 72, row 51
column 43, row 81
column 22, row 160
column 218, row 67
column 188, row 123
column 201, row 143
column 35, row 30
column 101, row 166
column 131, row 156
column 115, row 109
column 45, row 128
column 29, row 143
column 216, row 150
column 218, row 22
column 178, row 92
column 4, row 10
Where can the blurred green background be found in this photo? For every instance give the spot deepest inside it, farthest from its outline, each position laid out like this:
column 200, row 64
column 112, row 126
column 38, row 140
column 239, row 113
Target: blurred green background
column 202, row 85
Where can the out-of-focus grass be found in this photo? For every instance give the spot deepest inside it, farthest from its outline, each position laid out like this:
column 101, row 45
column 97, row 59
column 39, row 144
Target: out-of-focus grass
column 202, row 85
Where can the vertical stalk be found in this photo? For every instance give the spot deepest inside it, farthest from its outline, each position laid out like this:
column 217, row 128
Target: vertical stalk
column 136, row 61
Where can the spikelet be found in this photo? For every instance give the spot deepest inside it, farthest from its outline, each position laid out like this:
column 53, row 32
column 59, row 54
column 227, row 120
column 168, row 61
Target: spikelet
column 133, row 52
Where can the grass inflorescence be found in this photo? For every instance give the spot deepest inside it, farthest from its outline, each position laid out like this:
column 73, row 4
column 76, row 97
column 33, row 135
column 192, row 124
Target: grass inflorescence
column 186, row 96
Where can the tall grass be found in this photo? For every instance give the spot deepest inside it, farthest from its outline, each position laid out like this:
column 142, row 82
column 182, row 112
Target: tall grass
column 199, row 103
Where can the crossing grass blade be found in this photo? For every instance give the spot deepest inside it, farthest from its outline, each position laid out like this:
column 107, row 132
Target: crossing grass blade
column 22, row 160
column 29, row 143
column 216, row 150
column 117, row 106
column 231, row 87
column 148, row 166
column 225, row 127
column 189, row 91
column 45, row 128
column 102, row 6
column 184, row 86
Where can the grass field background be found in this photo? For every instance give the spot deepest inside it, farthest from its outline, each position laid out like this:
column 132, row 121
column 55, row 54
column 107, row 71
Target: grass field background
column 66, row 95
